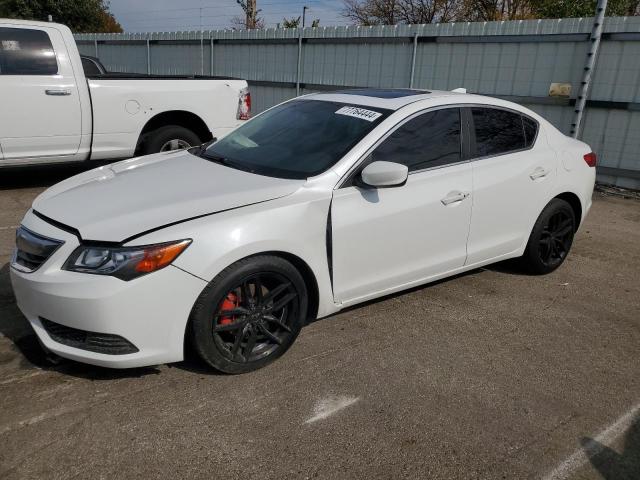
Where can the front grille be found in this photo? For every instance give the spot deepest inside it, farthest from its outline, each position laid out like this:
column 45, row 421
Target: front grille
column 91, row 341
column 32, row 250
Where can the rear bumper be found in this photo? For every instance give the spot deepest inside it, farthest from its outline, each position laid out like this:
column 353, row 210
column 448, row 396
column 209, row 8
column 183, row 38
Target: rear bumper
column 150, row 312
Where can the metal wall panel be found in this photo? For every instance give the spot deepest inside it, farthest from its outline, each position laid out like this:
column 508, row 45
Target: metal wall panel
column 517, row 60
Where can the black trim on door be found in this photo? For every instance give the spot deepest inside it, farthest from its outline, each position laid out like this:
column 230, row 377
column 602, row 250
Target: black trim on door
column 468, row 133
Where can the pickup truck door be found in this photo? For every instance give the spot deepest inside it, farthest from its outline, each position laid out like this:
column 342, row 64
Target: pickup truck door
column 40, row 114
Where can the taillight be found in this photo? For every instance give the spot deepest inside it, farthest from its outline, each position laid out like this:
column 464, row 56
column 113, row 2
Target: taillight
column 591, row 159
column 244, row 105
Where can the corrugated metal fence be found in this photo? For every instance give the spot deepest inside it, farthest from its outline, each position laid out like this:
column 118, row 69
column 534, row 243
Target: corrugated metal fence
column 516, row 60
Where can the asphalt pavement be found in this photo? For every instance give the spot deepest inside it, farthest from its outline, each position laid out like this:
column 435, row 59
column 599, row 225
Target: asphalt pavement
column 493, row 374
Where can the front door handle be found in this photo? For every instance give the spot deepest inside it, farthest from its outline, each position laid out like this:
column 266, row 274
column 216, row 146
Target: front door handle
column 58, row 92
column 539, row 173
column 454, row 197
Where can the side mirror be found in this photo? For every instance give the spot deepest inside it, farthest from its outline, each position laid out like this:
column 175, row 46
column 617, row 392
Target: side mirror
column 384, row 174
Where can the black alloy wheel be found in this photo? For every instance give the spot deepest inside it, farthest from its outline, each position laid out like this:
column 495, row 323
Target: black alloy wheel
column 555, row 239
column 255, row 317
column 551, row 238
column 250, row 314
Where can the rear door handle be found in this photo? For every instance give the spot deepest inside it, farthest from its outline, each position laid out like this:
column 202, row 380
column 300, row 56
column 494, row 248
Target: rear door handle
column 58, row 92
column 454, row 197
column 538, row 173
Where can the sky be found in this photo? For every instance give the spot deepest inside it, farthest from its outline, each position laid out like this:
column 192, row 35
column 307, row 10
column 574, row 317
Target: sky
column 171, row 15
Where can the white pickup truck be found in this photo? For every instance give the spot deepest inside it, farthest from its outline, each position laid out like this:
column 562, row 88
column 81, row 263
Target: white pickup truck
column 50, row 112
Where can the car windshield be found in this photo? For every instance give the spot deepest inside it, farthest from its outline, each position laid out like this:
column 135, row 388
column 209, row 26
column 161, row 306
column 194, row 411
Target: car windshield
column 298, row 139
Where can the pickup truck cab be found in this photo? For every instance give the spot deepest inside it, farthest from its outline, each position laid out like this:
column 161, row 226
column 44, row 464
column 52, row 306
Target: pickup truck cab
column 52, row 112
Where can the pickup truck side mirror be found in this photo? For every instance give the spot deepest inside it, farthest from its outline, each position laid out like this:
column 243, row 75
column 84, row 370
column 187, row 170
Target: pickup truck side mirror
column 384, row 175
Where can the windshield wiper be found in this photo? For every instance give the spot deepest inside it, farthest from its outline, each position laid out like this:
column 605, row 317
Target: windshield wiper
column 226, row 162
column 200, row 149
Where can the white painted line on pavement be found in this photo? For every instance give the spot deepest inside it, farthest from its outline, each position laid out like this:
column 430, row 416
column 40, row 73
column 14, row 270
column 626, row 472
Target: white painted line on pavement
column 578, row 458
column 328, row 406
column 12, row 227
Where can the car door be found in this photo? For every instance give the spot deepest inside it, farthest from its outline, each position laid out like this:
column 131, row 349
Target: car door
column 386, row 238
column 40, row 114
column 513, row 172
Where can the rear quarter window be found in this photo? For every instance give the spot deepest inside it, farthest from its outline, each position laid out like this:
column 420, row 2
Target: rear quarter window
column 497, row 131
column 26, row 51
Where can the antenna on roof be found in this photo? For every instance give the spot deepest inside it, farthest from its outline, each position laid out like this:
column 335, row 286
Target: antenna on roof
column 459, row 90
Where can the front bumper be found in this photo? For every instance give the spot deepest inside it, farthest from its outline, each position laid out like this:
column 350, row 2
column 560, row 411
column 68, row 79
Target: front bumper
column 150, row 312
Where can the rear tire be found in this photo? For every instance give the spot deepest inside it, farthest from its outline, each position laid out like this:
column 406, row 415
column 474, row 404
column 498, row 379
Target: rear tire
column 164, row 138
column 551, row 238
column 250, row 314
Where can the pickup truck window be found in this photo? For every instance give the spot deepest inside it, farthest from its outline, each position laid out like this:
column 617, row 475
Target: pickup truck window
column 298, row 139
column 25, row 51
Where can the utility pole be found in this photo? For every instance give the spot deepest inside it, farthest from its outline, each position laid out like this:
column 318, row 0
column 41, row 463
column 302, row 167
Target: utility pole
column 592, row 53
column 251, row 14
column 304, row 14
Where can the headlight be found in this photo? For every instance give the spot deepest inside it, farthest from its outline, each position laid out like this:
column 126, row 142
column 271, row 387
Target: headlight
column 124, row 263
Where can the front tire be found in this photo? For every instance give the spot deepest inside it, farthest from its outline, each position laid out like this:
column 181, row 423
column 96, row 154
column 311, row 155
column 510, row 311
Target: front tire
column 551, row 238
column 250, row 314
column 168, row 138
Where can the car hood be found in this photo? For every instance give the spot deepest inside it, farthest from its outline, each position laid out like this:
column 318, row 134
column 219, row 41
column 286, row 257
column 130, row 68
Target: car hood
column 118, row 201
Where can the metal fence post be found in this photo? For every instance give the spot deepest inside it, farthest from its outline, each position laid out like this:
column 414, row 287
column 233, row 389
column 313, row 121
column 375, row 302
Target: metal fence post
column 95, row 43
column 148, row 58
column 594, row 39
column 413, row 59
column 298, row 71
column 211, row 56
column 201, row 52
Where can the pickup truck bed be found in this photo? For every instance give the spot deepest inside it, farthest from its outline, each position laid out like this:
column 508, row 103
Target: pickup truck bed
column 53, row 113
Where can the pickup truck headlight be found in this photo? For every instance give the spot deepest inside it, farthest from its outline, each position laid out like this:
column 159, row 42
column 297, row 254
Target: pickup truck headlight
column 124, row 263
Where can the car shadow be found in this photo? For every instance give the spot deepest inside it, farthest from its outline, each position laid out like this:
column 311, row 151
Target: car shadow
column 612, row 465
column 15, row 326
column 417, row 288
column 26, row 347
column 31, row 176
column 509, row 267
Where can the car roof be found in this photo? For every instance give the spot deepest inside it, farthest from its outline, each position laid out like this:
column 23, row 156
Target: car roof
column 388, row 98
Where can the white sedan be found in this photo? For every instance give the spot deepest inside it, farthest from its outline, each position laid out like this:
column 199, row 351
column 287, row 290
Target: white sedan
column 319, row 203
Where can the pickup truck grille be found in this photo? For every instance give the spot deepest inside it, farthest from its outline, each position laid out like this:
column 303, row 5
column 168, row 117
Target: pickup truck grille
column 32, row 250
column 91, row 341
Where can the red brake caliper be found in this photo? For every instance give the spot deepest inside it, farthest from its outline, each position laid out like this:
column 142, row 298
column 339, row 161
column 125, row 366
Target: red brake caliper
column 229, row 303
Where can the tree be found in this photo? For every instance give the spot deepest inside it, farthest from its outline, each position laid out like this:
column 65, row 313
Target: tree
column 491, row 10
column 79, row 15
column 391, row 12
column 290, row 22
column 582, row 8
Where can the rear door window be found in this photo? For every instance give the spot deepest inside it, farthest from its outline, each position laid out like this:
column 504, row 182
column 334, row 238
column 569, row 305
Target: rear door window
column 429, row 140
column 497, row 131
column 26, row 51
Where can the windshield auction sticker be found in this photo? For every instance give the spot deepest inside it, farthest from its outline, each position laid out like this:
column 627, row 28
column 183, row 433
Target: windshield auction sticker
column 361, row 113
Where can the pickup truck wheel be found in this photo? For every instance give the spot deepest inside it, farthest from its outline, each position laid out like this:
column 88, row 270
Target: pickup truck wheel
column 168, row 138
